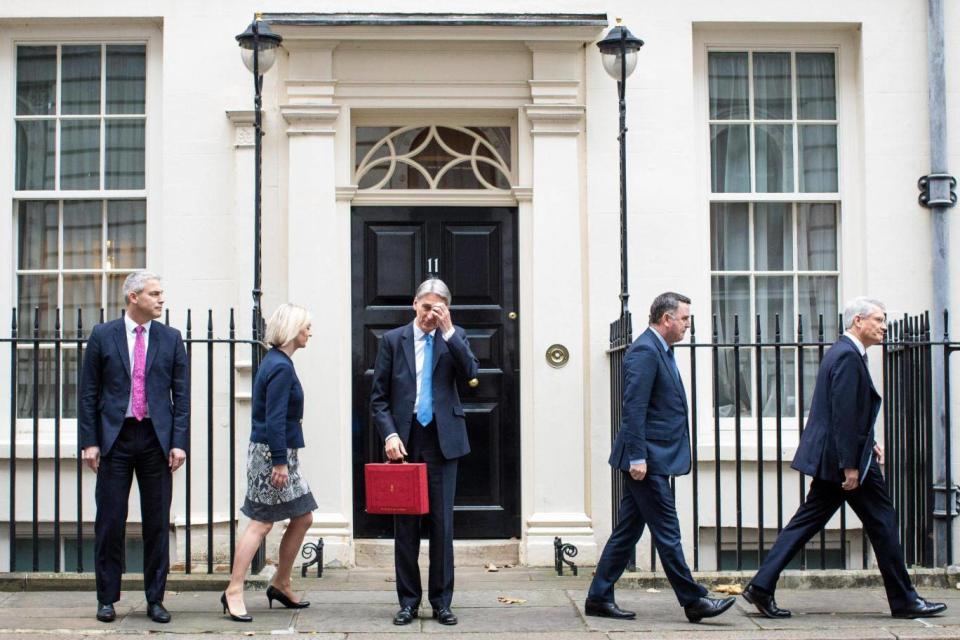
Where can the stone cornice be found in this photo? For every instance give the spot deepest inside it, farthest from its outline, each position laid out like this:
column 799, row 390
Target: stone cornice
column 555, row 119
column 242, row 120
column 306, row 119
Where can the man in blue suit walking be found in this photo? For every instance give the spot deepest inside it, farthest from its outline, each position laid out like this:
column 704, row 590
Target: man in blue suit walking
column 133, row 417
column 415, row 405
column 652, row 445
column 839, row 451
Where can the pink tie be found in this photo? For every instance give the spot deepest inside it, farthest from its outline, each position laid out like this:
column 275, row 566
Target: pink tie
column 139, row 402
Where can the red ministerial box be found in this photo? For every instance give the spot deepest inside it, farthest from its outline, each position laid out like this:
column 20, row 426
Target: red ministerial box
column 397, row 489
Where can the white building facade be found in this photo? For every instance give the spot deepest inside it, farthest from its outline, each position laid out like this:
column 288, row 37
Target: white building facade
column 773, row 157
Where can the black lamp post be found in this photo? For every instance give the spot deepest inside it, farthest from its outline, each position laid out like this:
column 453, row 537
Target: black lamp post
column 618, row 51
column 258, row 48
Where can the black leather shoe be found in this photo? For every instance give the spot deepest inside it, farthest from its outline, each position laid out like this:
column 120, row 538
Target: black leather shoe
column 105, row 612
column 445, row 616
column 275, row 594
column 920, row 609
column 707, row 608
column 764, row 602
column 606, row 610
column 157, row 613
column 405, row 615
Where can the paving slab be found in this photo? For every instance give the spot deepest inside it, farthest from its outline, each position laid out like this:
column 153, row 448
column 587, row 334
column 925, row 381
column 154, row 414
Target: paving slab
column 348, row 618
column 504, row 635
column 762, row 634
column 352, row 596
column 515, row 620
column 211, row 620
column 488, row 598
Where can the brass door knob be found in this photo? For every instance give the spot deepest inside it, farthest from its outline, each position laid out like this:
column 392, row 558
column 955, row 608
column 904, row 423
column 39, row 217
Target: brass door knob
column 512, row 315
column 474, row 383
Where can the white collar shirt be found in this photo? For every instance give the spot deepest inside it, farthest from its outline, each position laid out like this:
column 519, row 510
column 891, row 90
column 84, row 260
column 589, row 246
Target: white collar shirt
column 131, row 332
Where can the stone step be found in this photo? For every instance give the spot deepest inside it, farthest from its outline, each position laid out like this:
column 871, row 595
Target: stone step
column 466, row 553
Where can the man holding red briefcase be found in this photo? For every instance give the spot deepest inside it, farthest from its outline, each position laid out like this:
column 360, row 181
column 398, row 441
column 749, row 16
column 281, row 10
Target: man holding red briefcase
column 415, row 405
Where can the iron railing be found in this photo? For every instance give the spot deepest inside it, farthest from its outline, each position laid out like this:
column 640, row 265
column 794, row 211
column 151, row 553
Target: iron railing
column 31, row 350
column 908, row 410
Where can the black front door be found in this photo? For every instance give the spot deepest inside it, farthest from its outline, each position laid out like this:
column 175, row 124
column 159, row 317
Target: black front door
column 474, row 250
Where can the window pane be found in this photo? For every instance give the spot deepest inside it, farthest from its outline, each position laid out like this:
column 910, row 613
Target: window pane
column 68, row 383
column 125, row 154
column 499, row 139
column 80, row 78
column 775, row 299
column 36, row 292
column 37, row 242
column 729, row 236
column 83, row 292
column 36, row 81
column 366, row 138
column 126, row 234
column 811, row 366
column 774, row 157
column 772, row 236
column 45, row 389
column 817, row 88
column 817, row 237
column 772, row 96
column 80, row 154
column 787, row 377
column 818, row 296
column 728, row 85
column 126, row 78
column 730, row 305
column 818, row 158
column 35, row 154
column 114, row 303
column 730, row 158
column 82, row 233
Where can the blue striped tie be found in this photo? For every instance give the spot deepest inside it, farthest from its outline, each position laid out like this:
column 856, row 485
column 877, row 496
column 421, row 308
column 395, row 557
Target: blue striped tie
column 425, row 409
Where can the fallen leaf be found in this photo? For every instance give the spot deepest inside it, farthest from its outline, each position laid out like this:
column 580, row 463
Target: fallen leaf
column 510, row 600
column 491, row 567
column 732, row 589
column 652, row 590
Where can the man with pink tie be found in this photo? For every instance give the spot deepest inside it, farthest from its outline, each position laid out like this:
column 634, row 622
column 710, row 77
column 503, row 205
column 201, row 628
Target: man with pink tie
column 133, row 418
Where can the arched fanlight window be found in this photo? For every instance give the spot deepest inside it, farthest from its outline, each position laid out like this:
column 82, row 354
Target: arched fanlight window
column 433, row 157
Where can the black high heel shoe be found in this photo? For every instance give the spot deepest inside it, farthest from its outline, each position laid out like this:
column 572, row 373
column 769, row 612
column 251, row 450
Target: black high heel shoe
column 233, row 616
column 275, row 594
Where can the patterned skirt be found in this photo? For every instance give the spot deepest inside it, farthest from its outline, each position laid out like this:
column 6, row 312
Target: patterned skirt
column 264, row 502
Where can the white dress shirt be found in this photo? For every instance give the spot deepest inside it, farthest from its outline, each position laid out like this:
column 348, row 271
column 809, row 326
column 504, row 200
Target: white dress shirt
column 131, row 345
column 419, row 344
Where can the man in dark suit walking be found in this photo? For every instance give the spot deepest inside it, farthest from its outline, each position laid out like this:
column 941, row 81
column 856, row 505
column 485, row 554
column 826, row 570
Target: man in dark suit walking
column 133, row 417
column 415, row 405
column 652, row 445
column 838, row 449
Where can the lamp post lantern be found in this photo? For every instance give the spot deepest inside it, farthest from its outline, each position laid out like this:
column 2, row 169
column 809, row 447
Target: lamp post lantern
column 618, row 53
column 258, row 49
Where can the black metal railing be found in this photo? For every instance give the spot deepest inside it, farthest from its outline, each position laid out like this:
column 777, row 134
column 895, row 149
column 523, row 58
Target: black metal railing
column 760, row 385
column 44, row 376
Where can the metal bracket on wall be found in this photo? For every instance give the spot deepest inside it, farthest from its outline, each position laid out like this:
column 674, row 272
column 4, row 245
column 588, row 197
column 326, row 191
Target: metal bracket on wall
column 561, row 549
column 942, row 497
column 314, row 551
column 937, row 190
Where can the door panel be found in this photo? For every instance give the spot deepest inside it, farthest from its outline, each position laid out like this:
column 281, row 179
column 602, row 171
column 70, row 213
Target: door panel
column 474, row 251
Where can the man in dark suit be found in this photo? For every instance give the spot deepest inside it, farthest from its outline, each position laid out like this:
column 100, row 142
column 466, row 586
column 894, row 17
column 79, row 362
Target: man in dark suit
column 838, row 449
column 415, row 405
column 133, row 417
column 652, row 445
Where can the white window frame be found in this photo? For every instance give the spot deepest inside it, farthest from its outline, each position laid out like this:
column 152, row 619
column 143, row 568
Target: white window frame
column 57, row 32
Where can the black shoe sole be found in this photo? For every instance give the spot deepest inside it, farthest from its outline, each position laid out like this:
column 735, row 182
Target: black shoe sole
column 106, row 619
column 763, row 612
column 919, row 614
column 713, row 613
column 608, row 616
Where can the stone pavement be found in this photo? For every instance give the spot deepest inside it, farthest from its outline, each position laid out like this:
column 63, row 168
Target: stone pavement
column 359, row 604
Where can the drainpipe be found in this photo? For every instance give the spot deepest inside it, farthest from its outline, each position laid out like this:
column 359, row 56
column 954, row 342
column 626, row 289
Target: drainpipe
column 937, row 194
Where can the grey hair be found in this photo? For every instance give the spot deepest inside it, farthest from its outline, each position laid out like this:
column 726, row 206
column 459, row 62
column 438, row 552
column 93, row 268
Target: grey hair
column 861, row 306
column 666, row 303
column 437, row 287
column 136, row 282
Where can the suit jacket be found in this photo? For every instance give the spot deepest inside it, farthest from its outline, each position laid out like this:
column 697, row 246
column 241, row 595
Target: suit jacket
column 105, row 381
column 394, row 391
column 277, row 413
column 839, row 431
column 655, row 426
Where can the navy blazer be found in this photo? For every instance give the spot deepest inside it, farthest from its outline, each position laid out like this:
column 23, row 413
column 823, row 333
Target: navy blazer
column 655, row 426
column 394, row 391
column 105, row 386
column 839, row 431
column 277, row 413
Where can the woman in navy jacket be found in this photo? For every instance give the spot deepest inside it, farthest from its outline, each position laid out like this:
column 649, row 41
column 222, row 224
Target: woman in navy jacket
column 275, row 489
